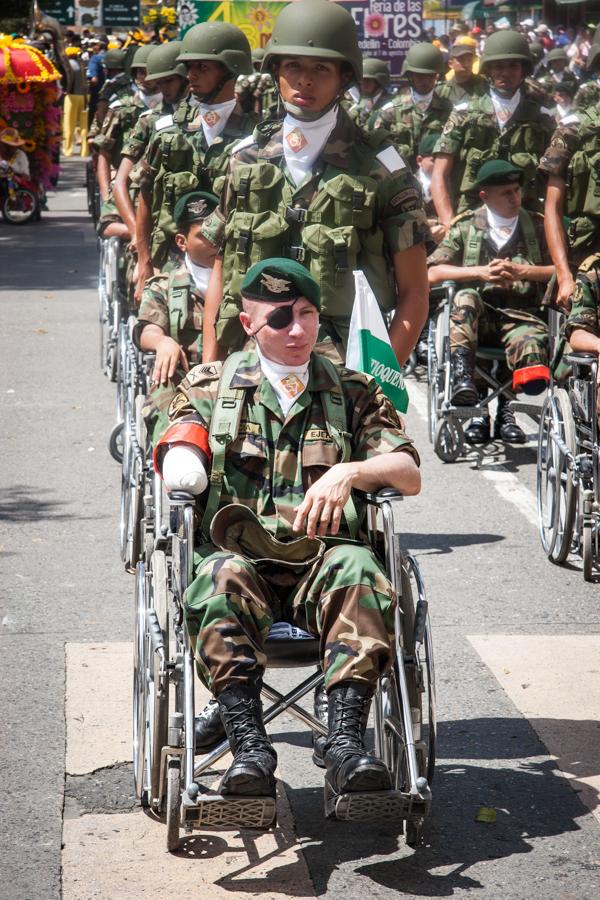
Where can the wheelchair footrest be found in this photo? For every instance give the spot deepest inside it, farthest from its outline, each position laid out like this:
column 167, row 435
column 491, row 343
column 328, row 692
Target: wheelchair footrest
column 465, row 412
column 371, row 806
column 528, row 409
column 218, row 811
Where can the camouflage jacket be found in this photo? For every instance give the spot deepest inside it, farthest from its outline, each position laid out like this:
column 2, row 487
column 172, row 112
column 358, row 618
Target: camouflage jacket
column 453, row 251
column 116, row 88
column 407, row 124
column 358, row 209
column 549, row 83
column 585, row 311
column 472, row 136
column 275, row 459
column 476, row 86
column 134, row 146
column 172, row 301
column 365, row 111
column 117, row 126
column 572, row 156
column 587, row 95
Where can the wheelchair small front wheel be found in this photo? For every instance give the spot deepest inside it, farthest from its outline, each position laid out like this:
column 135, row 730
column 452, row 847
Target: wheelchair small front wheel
column 115, row 443
column 587, row 551
column 173, row 810
column 449, row 440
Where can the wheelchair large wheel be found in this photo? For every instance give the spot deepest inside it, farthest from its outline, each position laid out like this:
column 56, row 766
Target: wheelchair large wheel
column 140, row 693
column 158, row 685
column 173, row 809
column 448, row 440
column 134, row 513
column 556, row 492
column 433, row 383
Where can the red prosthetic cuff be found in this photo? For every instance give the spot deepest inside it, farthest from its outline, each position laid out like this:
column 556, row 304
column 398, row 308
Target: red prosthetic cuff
column 523, row 376
column 182, row 433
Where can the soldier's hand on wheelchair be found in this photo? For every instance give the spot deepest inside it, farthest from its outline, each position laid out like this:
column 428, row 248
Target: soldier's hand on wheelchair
column 564, row 294
column 169, row 355
column 324, row 502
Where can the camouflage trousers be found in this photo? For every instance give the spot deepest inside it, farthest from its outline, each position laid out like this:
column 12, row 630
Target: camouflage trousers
column 523, row 336
column 344, row 599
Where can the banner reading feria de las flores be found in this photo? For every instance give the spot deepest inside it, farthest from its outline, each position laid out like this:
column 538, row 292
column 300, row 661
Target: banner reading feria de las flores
column 386, row 28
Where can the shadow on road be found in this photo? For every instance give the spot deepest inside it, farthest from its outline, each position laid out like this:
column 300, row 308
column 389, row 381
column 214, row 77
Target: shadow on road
column 23, row 504
column 446, row 543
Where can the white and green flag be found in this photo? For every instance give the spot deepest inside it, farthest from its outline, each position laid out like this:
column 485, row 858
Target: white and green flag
column 369, row 348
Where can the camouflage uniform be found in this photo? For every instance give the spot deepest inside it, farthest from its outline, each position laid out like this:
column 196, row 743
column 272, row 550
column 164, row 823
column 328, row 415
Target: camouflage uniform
column 472, row 136
column 117, row 88
column 354, row 213
column 486, row 314
column 587, row 95
column 365, row 112
column 476, row 86
column 178, row 159
column 571, row 156
column 407, row 124
column 341, row 593
column 585, row 311
column 550, row 84
column 171, row 301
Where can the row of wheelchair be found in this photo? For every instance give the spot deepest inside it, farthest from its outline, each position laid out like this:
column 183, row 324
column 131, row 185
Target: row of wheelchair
column 566, row 421
column 173, row 776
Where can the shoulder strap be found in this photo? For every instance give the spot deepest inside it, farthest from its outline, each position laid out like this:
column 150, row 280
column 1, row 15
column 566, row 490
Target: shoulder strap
column 528, row 228
column 224, row 428
column 334, row 408
column 590, row 262
column 473, row 244
column 178, row 301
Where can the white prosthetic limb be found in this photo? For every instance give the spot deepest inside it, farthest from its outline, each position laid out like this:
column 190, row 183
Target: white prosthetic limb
column 184, row 469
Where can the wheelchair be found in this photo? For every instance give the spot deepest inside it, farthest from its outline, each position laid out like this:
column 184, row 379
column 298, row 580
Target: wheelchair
column 109, row 301
column 445, row 420
column 568, row 467
column 166, row 771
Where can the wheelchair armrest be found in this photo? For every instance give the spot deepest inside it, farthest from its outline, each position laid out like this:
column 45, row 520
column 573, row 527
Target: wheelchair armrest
column 381, row 496
column 180, row 497
column 581, row 359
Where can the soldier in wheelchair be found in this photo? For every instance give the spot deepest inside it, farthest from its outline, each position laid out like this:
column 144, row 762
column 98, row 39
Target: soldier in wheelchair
column 498, row 257
column 274, row 441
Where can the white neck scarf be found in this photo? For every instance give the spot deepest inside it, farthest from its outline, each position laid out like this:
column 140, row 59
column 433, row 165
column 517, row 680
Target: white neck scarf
column 200, row 275
column 214, row 117
column 563, row 110
column 303, row 141
column 505, row 107
column 558, row 76
column 421, row 101
column 288, row 382
column 501, row 229
column 425, row 184
column 150, row 101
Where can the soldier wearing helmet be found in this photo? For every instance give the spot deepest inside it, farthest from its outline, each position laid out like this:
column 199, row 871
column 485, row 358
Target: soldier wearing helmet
column 190, row 149
column 556, row 71
column 169, row 77
column 317, row 189
column 373, row 93
column 118, row 81
column 420, row 110
column 505, row 123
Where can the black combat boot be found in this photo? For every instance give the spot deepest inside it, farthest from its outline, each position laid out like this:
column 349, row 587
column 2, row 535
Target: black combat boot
column 478, row 430
column 464, row 390
column 349, row 767
column 208, row 728
column 505, row 426
column 254, row 759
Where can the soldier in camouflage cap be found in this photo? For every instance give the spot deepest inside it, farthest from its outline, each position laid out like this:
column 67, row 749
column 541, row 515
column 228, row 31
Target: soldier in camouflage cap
column 497, row 254
column 279, row 539
column 504, row 123
column 171, row 312
column 317, row 189
column 373, row 93
column 420, row 110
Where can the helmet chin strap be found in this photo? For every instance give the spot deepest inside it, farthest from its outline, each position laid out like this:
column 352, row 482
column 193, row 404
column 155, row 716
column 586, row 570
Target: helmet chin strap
column 210, row 96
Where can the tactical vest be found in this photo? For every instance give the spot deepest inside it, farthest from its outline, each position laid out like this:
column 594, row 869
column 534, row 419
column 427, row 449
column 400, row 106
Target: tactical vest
column 522, row 143
column 180, row 302
column 406, row 135
column 332, row 235
column 186, row 164
column 583, row 174
column 225, row 426
column 474, row 242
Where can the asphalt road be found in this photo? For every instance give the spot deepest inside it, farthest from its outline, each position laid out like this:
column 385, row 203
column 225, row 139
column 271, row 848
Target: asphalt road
column 525, row 745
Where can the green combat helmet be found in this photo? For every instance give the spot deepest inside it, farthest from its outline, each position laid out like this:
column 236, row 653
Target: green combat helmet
column 115, row 60
column 258, row 54
column 503, row 45
column 315, row 28
column 219, row 42
column 140, row 57
column 378, row 70
column 423, row 59
column 162, row 62
column 559, row 54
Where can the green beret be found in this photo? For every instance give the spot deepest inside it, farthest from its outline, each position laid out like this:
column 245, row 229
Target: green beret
column 277, row 280
column 497, row 172
column 194, row 207
column 426, row 144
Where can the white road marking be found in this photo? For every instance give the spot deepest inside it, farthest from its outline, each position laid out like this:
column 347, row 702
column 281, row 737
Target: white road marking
column 553, row 681
column 506, row 483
